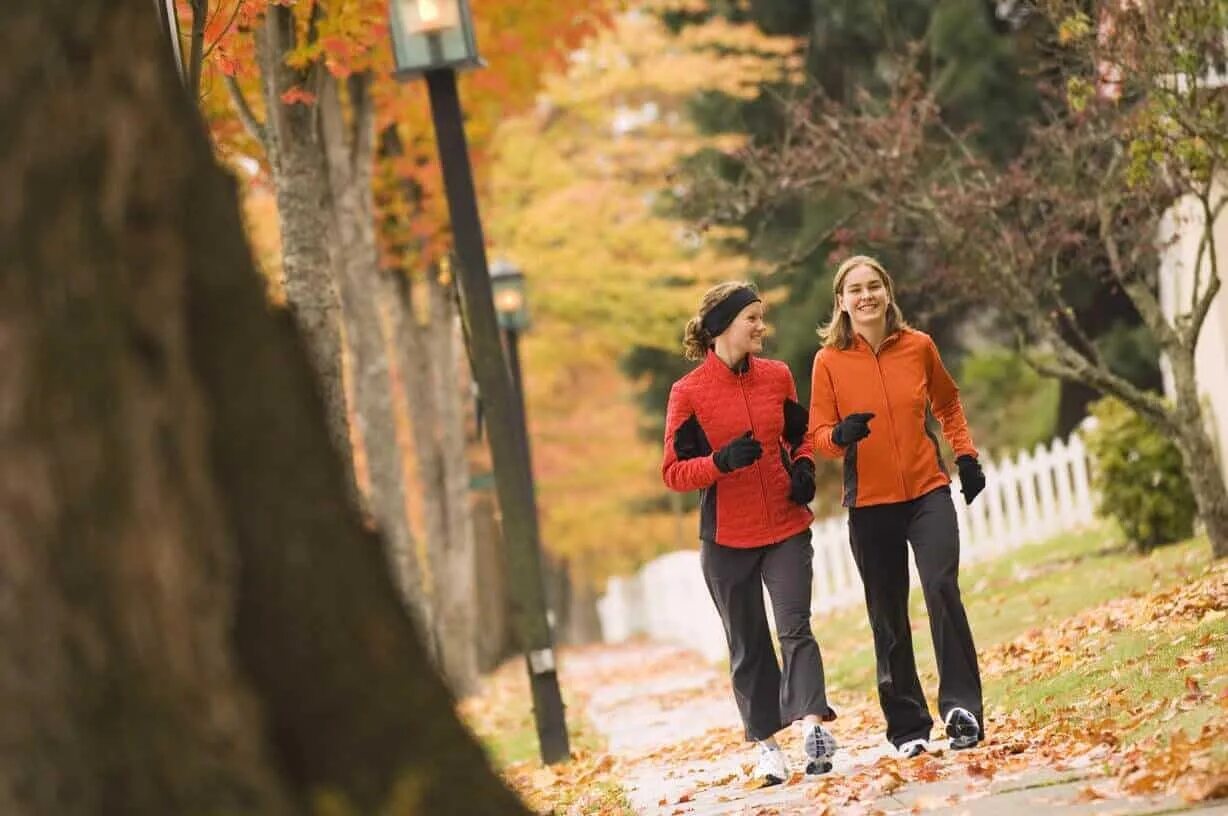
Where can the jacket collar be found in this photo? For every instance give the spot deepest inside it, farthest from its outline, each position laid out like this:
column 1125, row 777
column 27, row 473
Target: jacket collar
column 716, row 366
column 860, row 344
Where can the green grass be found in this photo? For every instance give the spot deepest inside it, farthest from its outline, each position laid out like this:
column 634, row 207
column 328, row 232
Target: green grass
column 1143, row 668
column 1026, row 589
column 515, row 737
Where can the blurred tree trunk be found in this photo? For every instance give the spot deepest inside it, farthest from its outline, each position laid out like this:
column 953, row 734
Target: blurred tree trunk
column 425, row 340
column 214, row 629
column 301, row 184
column 496, row 640
column 348, row 139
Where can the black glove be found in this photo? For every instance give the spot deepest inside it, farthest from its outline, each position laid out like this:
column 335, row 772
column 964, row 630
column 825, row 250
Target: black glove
column 971, row 477
column 739, row 453
column 689, row 440
column 796, row 419
column 801, row 481
column 852, row 428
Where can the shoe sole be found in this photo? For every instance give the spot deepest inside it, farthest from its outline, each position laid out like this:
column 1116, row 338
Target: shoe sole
column 818, row 767
column 964, row 735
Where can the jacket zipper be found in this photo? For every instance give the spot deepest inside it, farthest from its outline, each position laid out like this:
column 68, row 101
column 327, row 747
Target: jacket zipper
column 895, row 445
column 758, row 468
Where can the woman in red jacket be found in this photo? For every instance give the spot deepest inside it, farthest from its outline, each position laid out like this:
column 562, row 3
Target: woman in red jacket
column 735, row 432
column 872, row 382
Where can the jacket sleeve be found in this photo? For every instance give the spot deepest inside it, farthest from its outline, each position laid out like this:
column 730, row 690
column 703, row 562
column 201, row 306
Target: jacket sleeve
column 823, row 413
column 683, row 475
column 944, row 402
column 806, row 449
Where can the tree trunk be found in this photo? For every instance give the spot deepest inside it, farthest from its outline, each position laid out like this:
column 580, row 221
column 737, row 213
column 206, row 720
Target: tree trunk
column 496, row 640
column 432, row 392
column 1189, row 432
column 355, row 260
column 459, row 625
column 194, row 618
column 303, row 203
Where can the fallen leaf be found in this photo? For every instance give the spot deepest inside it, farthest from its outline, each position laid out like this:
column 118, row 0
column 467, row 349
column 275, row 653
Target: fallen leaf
column 1206, row 788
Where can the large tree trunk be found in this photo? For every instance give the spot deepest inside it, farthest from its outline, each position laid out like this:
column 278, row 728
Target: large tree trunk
column 194, row 618
column 348, row 143
column 426, row 342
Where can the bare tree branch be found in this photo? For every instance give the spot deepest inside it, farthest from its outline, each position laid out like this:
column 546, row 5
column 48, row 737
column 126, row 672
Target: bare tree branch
column 251, row 123
column 1202, row 305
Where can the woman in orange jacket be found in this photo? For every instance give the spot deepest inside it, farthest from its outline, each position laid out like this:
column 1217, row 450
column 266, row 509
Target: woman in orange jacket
column 735, row 432
column 872, row 383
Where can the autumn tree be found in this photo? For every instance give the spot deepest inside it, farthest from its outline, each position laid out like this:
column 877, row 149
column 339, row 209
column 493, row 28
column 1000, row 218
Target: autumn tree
column 580, row 190
column 1136, row 120
column 312, row 85
column 196, row 619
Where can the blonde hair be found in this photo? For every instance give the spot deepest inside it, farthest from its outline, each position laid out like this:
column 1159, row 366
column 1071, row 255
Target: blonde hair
column 838, row 333
column 695, row 339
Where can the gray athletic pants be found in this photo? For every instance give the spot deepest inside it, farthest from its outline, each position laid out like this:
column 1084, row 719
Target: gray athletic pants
column 768, row 699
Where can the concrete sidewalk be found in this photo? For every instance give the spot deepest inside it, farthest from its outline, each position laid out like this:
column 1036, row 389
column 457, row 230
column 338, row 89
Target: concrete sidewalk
column 669, row 719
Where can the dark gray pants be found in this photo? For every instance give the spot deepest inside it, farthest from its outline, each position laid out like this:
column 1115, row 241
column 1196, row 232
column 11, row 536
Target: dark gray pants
column 879, row 536
column 767, row 699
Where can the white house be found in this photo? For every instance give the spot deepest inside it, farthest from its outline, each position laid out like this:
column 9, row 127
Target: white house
column 1180, row 233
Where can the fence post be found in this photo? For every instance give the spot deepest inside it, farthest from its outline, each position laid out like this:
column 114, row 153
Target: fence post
column 1048, row 500
column 1082, row 486
column 1008, row 477
column 1061, row 479
column 1027, row 484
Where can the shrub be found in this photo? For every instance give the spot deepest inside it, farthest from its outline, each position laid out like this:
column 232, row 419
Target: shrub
column 1138, row 474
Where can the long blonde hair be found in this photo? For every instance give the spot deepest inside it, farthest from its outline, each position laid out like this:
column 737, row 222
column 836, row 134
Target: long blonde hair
column 838, row 333
column 695, row 339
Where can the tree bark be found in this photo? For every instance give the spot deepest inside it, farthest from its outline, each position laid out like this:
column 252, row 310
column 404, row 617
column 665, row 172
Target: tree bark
column 354, row 256
column 195, row 619
column 425, row 340
column 292, row 145
column 1188, row 431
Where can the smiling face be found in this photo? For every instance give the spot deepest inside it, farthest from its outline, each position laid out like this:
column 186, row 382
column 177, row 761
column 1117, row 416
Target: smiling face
column 864, row 296
column 745, row 334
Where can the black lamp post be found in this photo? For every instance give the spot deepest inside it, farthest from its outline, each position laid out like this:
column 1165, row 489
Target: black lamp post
column 512, row 310
column 434, row 38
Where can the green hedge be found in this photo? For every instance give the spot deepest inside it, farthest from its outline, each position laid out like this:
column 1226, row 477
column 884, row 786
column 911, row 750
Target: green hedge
column 1139, row 477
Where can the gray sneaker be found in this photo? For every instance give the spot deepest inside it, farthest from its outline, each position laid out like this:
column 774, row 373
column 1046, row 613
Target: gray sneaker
column 963, row 729
column 820, row 747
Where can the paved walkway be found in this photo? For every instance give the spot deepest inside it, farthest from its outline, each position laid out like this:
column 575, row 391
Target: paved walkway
column 669, row 719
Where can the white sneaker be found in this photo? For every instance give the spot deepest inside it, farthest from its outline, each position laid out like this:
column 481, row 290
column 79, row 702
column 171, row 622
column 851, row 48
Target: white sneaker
column 820, row 747
column 772, row 768
column 912, row 748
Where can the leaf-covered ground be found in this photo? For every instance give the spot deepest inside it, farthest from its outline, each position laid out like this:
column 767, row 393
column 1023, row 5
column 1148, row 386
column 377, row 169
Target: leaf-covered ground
column 1106, row 677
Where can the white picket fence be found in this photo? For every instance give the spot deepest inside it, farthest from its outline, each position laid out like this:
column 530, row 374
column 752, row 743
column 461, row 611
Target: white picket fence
column 1030, row 497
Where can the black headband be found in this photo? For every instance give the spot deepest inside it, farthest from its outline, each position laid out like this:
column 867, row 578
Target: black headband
column 722, row 314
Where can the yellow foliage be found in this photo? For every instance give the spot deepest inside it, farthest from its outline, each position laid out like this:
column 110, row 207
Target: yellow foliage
column 576, row 192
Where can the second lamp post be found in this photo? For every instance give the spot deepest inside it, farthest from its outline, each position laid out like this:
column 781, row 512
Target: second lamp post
column 434, row 38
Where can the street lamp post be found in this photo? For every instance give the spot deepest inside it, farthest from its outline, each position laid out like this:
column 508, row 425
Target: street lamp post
column 512, row 310
column 434, row 38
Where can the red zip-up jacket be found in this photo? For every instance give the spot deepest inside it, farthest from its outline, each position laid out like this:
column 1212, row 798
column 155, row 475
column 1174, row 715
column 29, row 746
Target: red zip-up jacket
column 900, row 459
column 708, row 408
